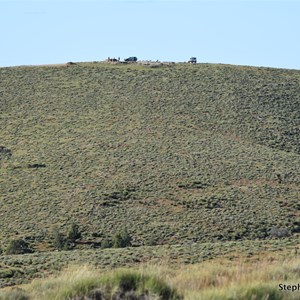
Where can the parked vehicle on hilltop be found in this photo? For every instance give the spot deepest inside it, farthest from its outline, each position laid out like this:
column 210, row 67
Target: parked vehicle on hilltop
column 131, row 59
column 193, row 60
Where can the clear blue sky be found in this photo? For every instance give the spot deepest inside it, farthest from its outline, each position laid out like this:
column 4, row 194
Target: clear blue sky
column 258, row 33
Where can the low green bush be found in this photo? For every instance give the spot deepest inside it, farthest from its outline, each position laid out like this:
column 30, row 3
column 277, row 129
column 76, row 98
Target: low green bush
column 106, row 243
column 74, row 233
column 59, row 240
column 129, row 283
column 122, row 239
column 18, row 246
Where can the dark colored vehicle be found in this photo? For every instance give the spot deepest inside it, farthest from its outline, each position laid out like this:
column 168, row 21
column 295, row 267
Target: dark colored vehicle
column 193, row 60
column 132, row 59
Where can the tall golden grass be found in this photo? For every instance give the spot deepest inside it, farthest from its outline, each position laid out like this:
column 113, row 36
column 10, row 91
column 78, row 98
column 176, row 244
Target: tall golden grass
column 217, row 279
column 240, row 279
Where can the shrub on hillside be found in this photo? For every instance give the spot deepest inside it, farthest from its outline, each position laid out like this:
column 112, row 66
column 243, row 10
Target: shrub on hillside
column 18, row 246
column 122, row 239
column 59, row 240
column 62, row 242
column 106, row 243
column 74, row 233
column 5, row 153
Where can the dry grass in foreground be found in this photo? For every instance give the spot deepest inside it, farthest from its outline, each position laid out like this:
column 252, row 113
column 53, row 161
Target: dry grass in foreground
column 223, row 279
column 217, row 279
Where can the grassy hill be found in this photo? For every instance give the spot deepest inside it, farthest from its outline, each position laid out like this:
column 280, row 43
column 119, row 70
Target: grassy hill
column 176, row 154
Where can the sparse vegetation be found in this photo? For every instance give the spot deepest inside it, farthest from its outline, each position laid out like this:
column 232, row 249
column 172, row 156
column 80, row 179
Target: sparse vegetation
column 39, row 264
column 208, row 152
column 197, row 161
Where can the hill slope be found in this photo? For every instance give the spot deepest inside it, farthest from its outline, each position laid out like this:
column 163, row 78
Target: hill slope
column 176, row 154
